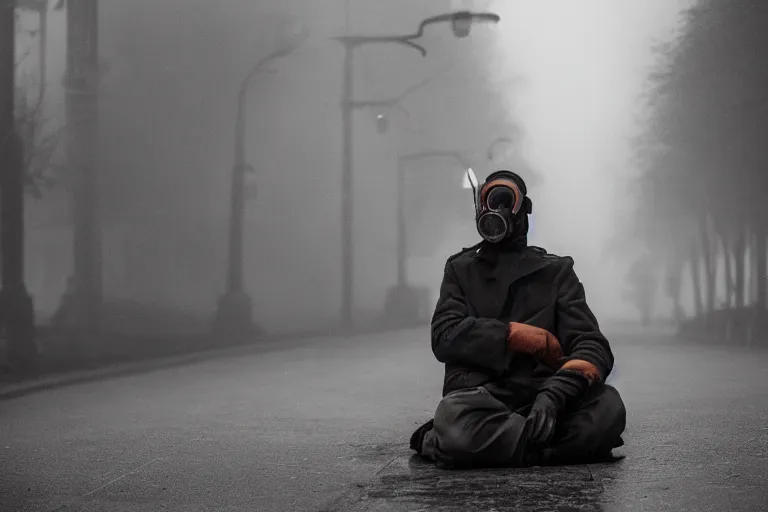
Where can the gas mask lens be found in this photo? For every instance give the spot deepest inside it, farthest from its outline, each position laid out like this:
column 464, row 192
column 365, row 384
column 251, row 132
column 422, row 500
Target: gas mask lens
column 500, row 197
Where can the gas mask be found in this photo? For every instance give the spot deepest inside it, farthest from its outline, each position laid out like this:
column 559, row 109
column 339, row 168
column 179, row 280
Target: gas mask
column 501, row 207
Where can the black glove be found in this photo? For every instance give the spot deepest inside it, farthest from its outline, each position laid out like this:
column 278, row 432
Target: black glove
column 560, row 391
column 541, row 419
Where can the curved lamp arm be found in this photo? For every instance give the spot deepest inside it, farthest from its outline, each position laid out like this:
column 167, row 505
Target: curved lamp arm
column 407, row 39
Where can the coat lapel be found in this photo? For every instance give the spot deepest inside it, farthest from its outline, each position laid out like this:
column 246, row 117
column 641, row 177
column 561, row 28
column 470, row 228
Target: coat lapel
column 499, row 270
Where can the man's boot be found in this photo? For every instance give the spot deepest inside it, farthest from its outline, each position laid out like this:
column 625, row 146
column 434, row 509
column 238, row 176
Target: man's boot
column 423, row 441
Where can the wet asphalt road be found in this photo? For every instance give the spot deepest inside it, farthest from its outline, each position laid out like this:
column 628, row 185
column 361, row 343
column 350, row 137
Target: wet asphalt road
column 325, row 426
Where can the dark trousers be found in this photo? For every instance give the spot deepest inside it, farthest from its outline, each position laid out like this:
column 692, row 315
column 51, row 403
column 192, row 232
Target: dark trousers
column 472, row 428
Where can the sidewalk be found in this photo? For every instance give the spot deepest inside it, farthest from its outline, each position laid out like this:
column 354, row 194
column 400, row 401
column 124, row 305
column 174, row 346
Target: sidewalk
column 199, row 348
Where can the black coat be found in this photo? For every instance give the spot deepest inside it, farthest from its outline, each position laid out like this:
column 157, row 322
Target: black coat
column 483, row 289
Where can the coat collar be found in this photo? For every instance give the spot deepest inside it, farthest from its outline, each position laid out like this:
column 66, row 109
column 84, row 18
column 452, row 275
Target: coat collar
column 501, row 268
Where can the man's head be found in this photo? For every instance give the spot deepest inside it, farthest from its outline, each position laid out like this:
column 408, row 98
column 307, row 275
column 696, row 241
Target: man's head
column 502, row 207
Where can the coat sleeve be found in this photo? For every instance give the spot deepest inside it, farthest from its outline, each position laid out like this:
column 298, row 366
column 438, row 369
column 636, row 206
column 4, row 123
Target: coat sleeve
column 585, row 348
column 465, row 340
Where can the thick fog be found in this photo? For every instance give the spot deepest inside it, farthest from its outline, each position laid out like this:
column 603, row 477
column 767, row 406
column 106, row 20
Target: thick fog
column 560, row 78
column 584, row 67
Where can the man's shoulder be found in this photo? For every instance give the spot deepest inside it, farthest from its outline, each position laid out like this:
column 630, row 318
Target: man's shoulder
column 540, row 252
column 465, row 254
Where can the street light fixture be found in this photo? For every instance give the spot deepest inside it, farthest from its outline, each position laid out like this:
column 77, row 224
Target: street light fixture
column 461, row 23
column 235, row 307
column 382, row 123
column 396, row 102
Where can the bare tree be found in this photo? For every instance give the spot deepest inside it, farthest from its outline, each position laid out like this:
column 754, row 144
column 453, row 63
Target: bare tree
column 38, row 136
column 703, row 159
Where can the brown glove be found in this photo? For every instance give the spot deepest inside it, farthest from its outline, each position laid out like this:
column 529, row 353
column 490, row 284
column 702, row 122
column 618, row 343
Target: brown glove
column 535, row 341
column 585, row 368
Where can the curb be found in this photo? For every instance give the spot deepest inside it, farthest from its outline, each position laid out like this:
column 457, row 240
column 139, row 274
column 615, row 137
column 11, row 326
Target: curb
column 279, row 342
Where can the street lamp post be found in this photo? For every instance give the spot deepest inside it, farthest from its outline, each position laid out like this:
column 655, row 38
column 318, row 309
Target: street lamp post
column 81, row 303
column 16, row 310
column 461, row 23
column 235, row 307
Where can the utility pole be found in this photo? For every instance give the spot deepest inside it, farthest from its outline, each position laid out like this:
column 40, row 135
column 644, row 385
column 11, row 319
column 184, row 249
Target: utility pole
column 235, row 307
column 461, row 23
column 17, row 317
column 81, row 84
column 347, row 206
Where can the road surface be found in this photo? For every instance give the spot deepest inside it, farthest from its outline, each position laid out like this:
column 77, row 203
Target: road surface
column 324, row 425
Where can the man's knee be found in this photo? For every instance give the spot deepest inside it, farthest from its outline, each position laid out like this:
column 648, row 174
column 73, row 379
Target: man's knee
column 612, row 412
column 602, row 417
column 455, row 415
column 471, row 423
